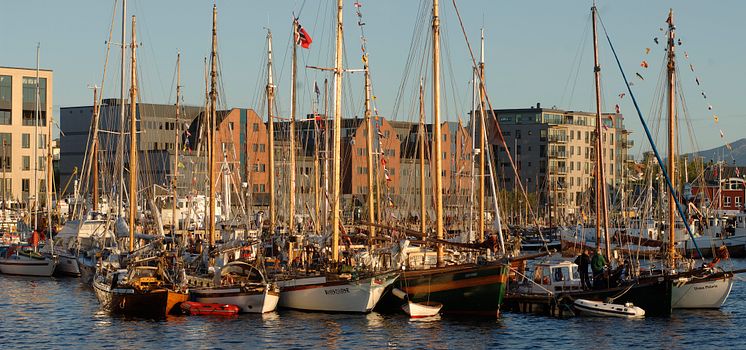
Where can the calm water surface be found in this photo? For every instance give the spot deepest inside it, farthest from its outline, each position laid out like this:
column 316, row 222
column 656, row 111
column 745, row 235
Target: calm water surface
column 62, row 313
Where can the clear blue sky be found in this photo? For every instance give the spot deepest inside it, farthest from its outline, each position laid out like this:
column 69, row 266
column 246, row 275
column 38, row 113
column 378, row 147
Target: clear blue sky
column 531, row 54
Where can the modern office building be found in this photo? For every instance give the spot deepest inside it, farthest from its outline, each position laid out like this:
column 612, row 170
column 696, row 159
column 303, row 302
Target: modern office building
column 23, row 138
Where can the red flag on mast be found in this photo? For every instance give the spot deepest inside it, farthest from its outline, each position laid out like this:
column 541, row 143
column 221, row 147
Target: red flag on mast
column 301, row 36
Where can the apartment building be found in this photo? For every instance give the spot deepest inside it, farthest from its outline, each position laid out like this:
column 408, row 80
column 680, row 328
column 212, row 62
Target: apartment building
column 24, row 138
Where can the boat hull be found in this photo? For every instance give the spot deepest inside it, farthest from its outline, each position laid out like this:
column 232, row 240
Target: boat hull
column 260, row 300
column 87, row 270
column 470, row 289
column 421, row 310
column 702, row 293
column 67, row 265
column 126, row 301
column 348, row 296
column 601, row 309
column 207, row 309
column 28, row 267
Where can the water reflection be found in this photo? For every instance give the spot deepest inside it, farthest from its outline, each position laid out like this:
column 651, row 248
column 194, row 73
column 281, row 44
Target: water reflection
column 63, row 313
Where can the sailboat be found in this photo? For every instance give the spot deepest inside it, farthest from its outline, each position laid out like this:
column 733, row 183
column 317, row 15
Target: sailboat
column 25, row 260
column 709, row 286
column 467, row 288
column 327, row 291
column 138, row 290
column 236, row 283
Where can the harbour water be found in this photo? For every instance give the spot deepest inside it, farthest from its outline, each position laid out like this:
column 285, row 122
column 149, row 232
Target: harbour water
column 62, row 313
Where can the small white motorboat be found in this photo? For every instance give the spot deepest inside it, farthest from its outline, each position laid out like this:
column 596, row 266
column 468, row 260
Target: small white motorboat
column 601, row 309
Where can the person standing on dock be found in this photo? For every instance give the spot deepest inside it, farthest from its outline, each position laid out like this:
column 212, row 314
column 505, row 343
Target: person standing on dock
column 598, row 266
column 583, row 261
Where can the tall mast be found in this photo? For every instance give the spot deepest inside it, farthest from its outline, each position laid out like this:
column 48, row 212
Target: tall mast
column 291, row 136
column 213, row 119
column 177, row 135
column 671, row 137
column 326, row 154
column 482, row 154
column 437, row 148
column 369, row 148
column 36, row 144
column 316, row 170
column 120, row 192
column 133, row 137
column 601, row 212
column 50, row 177
column 337, row 135
column 271, row 132
column 423, row 201
column 94, row 150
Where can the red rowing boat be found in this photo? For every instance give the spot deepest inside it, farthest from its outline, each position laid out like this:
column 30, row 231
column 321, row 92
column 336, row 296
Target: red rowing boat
column 194, row 308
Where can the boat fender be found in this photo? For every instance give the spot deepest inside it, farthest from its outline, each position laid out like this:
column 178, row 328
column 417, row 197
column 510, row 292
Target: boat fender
column 399, row 293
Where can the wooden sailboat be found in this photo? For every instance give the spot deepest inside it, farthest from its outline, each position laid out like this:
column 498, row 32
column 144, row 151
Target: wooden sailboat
column 329, row 291
column 240, row 283
column 707, row 287
column 463, row 289
column 243, row 285
column 138, row 290
column 651, row 294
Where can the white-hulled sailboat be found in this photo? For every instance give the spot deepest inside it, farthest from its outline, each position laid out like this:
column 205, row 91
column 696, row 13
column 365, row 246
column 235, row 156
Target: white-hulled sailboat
column 325, row 292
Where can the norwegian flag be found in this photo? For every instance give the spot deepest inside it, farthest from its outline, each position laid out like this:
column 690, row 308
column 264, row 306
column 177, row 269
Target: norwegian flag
column 301, row 36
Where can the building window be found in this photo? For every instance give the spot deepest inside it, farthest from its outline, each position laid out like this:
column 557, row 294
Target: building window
column 518, row 134
column 262, row 147
column 42, row 141
column 738, row 202
column 8, row 187
column 26, row 140
column 6, row 140
column 6, row 91
column 41, row 164
column 25, row 185
column 29, row 101
column 5, row 117
column 255, row 147
column 29, row 118
column 29, row 92
column 260, row 167
column 727, row 201
column 26, row 163
column 42, row 186
column 5, row 162
column 255, row 127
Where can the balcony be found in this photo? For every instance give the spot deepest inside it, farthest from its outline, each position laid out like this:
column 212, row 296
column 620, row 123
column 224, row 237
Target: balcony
column 558, row 154
column 558, row 138
column 557, row 170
